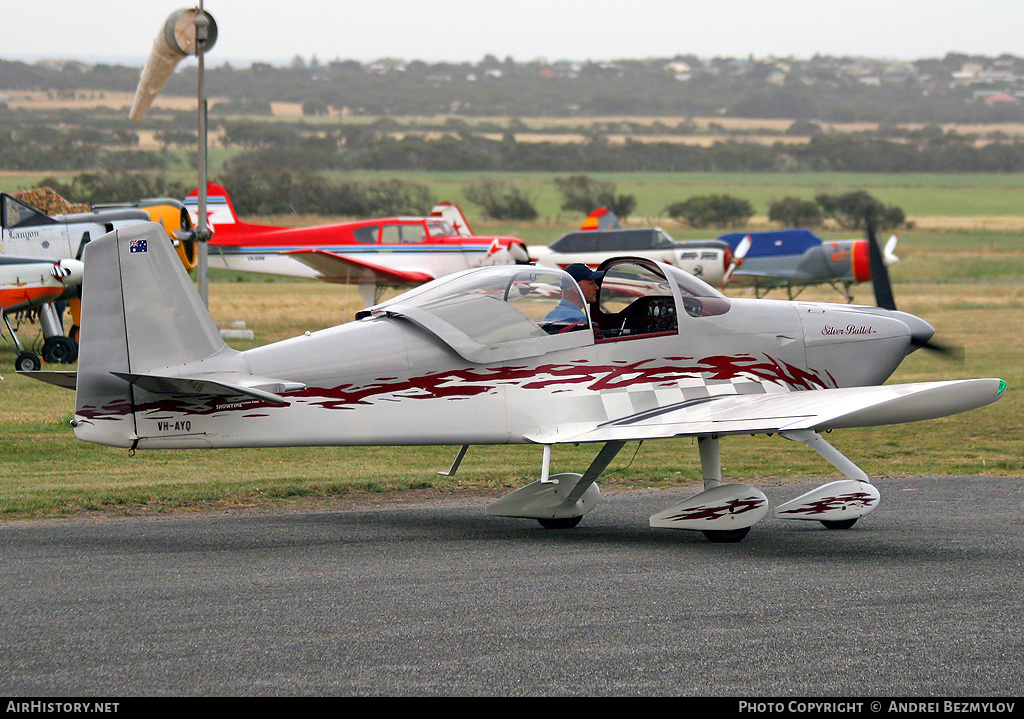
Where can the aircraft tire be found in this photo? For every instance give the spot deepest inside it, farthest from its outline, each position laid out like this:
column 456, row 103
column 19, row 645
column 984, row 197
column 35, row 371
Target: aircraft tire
column 839, row 523
column 27, row 362
column 560, row 523
column 726, row 535
column 60, row 350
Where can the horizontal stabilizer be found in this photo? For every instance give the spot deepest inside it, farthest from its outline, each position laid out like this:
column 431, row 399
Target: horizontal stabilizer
column 61, row 378
column 215, row 383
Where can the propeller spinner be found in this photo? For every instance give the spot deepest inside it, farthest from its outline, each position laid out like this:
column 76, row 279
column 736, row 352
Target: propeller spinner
column 737, row 258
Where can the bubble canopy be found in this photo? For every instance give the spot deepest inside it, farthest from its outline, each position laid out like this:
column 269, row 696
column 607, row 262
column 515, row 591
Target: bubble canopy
column 501, row 313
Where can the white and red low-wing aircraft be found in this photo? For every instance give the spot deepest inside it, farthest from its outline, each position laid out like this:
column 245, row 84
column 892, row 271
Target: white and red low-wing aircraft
column 32, row 244
column 33, row 283
column 472, row 359
column 372, row 254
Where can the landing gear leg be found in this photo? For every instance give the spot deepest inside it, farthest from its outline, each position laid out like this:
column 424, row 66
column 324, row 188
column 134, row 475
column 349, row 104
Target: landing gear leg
column 26, row 361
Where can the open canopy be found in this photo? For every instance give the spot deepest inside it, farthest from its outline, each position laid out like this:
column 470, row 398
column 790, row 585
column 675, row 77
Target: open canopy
column 509, row 312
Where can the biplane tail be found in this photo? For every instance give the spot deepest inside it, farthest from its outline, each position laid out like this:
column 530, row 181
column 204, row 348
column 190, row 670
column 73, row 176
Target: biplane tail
column 142, row 318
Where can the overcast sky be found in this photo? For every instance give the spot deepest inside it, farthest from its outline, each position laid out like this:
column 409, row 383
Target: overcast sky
column 467, row 30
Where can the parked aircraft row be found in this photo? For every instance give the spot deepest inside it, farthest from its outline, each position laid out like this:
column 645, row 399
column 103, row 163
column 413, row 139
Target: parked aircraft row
column 40, row 264
column 406, row 251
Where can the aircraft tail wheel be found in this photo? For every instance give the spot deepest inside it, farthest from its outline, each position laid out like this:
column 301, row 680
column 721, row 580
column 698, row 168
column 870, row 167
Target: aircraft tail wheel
column 27, row 362
column 726, row 535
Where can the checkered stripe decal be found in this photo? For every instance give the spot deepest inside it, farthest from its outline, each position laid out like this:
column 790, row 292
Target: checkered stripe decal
column 641, row 398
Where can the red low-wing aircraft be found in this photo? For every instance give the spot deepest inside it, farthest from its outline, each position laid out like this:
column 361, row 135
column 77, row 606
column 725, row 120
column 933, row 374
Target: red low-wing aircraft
column 494, row 355
column 388, row 252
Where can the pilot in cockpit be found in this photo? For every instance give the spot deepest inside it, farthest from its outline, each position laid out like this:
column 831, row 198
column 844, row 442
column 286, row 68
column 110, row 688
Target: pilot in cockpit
column 570, row 310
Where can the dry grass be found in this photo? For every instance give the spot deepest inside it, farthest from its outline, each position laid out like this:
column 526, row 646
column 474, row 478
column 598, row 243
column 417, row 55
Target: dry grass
column 92, row 99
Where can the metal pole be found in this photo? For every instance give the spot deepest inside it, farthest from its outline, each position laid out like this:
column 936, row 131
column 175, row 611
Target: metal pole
column 202, row 232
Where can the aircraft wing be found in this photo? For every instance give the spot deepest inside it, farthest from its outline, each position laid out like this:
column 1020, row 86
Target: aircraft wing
column 346, row 270
column 819, row 410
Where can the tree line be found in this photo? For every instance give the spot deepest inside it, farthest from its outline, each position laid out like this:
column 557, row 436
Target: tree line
column 259, row 191
column 826, row 88
column 356, row 148
column 840, row 153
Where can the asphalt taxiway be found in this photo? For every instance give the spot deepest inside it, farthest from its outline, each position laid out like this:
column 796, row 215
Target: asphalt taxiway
column 921, row 598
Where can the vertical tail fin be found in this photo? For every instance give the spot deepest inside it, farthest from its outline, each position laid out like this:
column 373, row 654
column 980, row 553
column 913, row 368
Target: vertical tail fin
column 140, row 313
column 601, row 219
column 454, row 216
column 220, row 211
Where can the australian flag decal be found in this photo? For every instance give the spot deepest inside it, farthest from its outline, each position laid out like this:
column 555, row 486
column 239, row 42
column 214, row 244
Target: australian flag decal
column 137, row 246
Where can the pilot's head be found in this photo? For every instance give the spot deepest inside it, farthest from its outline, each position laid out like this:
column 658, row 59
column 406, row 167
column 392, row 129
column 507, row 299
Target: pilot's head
column 586, row 278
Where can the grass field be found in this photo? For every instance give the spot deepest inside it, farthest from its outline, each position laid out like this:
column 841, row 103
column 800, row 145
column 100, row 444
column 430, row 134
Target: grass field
column 974, row 201
column 966, row 284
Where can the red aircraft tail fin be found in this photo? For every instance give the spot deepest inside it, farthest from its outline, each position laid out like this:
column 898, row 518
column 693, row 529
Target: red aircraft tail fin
column 220, row 212
column 454, row 216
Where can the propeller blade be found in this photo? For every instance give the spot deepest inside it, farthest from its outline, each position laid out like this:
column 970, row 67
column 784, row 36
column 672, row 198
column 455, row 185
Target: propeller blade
column 737, row 258
column 953, row 352
column 889, row 253
column 884, row 296
column 879, row 272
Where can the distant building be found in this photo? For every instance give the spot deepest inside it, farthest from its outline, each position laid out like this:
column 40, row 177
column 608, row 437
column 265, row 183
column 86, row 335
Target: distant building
column 1001, row 98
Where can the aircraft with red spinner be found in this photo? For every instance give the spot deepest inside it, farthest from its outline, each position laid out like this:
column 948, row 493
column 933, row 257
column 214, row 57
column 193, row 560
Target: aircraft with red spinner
column 493, row 356
column 373, row 254
column 764, row 261
column 794, row 259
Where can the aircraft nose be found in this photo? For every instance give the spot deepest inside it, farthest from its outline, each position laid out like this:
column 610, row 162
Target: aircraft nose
column 69, row 272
